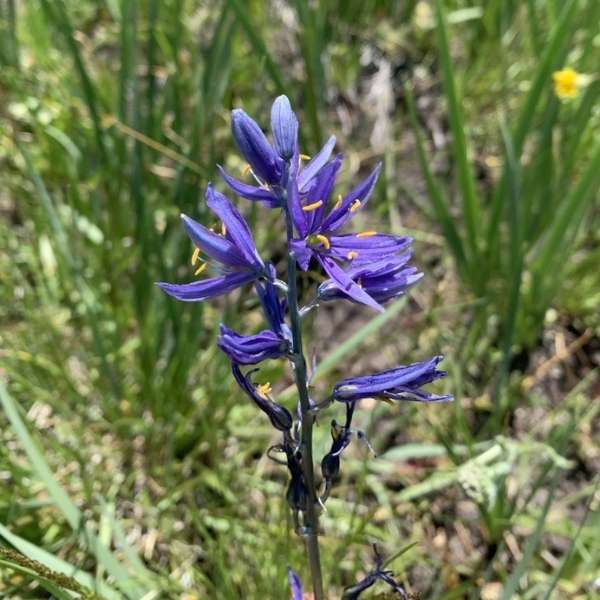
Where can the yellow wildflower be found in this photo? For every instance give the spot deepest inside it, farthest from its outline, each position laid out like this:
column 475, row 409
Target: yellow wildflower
column 566, row 83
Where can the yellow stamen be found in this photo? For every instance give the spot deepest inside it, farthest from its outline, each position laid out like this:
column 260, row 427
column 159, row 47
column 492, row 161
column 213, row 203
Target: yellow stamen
column 195, row 255
column 200, row 269
column 355, row 206
column 246, row 169
column 364, row 234
column 304, row 157
column 223, row 229
column 323, row 241
column 351, row 255
column 338, row 202
column 264, row 389
column 313, row 206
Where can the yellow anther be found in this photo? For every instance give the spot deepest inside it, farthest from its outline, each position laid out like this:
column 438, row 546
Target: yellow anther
column 313, row 206
column 355, row 206
column 264, row 389
column 223, row 229
column 195, row 255
column 305, row 157
column 200, row 269
column 338, row 202
column 363, row 234
column 247, row 168
column 352, row 255
column 323, row 241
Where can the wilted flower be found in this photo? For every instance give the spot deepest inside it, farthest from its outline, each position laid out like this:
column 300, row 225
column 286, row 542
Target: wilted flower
column 378, row 573
column 400, row 383
column 280, row 417
column 342, row 436
column 233, row 251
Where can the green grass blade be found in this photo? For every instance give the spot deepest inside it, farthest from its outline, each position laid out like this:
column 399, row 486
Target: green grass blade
column 257, row 43
column 512, row 585
column 571, row 212
column 73, row 516
column 61, row 18
column 569, row 552
column 470, row 201
column 57, row 564
column 549, row 60
column 348, row 346
column 434, row 191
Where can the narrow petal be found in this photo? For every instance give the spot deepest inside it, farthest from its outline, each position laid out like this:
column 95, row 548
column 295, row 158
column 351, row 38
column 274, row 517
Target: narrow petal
column 302, row 253
column 284, row 126
column 317, row 162
column 213, row 245
column 237, row 230
column 399, row 383
column 206, row 288
column 299, row 217
column 367, row 249
column 346, row 284
column 255, row 147
column 321, row 190
column 271, row 304
column 295, row 585
column 251, row 349
column 362, row 192
column 250, row 192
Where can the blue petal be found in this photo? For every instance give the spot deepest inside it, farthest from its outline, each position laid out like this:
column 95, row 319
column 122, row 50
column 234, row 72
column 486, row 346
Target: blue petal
column 269, row 300
column 368, row 249
column 321, row 190
column 250, row 192
column 317, row 162
column 251, row 349
column 207, row 288
column 284, row 126
column 255, row 147
column 390, row 383
column 302, row 253
column 362, row 192
column 346, row 284
column 295, row 585
column 237, row 230
column 293, row 199
column 213, row 245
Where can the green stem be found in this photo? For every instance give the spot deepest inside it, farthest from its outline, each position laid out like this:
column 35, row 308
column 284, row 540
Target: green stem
column 311, row 515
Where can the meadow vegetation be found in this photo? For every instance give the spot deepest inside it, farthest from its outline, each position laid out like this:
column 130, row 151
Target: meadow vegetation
column 130, row 464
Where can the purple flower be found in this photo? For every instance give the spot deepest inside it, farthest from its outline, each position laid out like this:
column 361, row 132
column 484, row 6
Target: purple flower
column 270, row 343
column 268, row 163
column 295, row 585
column 317, row 231
column 279, row 416
column 382, row 280
column 251, row 349
column 233, row 252
column 400, row 383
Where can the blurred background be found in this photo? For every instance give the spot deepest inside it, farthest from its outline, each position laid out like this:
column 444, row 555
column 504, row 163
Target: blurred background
column 129, row 461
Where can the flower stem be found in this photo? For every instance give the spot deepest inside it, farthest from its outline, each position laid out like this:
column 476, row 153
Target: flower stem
column 311, row 516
